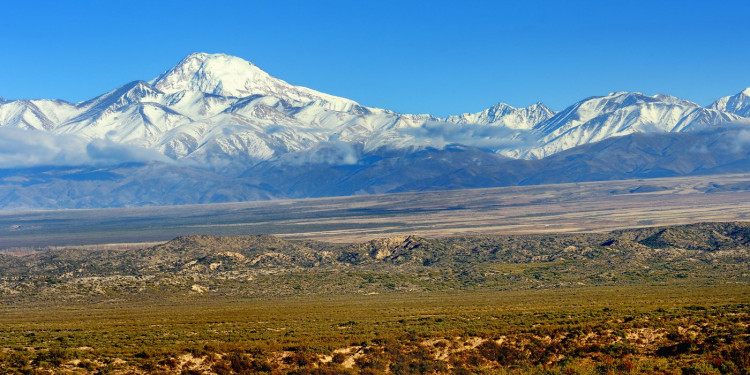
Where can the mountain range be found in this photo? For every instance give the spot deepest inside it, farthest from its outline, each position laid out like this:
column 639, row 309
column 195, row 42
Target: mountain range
column 216, row 128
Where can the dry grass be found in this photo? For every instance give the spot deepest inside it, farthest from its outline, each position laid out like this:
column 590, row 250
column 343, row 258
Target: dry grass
column 674, row 328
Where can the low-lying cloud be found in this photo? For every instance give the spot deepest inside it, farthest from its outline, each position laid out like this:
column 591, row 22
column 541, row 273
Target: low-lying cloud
column 331, row 153
column 106, row 151
column 741, row 142
column 21, row 148
column 485, row 137
column 729, row 138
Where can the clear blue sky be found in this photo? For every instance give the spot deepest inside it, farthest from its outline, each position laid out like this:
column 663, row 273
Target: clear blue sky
column 414, row 57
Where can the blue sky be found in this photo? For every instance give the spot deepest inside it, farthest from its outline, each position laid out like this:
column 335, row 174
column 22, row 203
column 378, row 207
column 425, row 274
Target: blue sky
column 434, row 57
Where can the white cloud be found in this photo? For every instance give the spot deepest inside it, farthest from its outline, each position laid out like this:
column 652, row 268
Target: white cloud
column 741, row 142
column 486, row 137
column 108, row 152
column 28, row 148
column 331, row 153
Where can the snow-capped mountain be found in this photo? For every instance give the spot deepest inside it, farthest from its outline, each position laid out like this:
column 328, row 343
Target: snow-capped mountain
column 35, row 114
column 738, row 104
column 216, row 110
column 220, row 107
column 228, row 76
column 502, row 114
column 621, row 113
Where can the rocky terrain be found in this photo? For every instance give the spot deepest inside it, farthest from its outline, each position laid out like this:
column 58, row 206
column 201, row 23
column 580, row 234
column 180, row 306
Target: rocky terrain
column 270, row 266
column 664, row 300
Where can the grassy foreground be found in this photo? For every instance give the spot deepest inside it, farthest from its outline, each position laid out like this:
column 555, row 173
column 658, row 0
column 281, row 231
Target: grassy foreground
column 674, row 328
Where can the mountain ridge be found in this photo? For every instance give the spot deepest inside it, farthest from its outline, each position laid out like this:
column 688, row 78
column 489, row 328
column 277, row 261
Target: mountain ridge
column 219, row 121
column 738, row 104
column 206, row 91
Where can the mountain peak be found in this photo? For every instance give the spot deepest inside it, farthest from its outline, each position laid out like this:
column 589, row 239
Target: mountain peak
column 540, row 106
column 622, row 93
column 216, row 74
column 231, row 76
column 502, row 105
column 200, row 55
column 738, row 104
column 130, row 92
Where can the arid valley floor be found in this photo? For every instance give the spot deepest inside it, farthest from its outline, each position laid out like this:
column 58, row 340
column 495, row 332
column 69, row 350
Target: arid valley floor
column 562, row 208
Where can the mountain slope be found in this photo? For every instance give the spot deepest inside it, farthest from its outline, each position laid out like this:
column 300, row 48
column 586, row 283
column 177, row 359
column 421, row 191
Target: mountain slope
column 638, row 155
column 35, row 114
column 738, row 104
column 621, row 113
column 502, row 114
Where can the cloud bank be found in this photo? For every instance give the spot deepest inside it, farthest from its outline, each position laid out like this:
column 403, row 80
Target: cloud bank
column 21, row 148
column 331, row 153
column 485, row 137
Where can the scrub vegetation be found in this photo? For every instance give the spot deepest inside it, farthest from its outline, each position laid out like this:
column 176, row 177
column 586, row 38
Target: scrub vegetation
column 669, row 300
